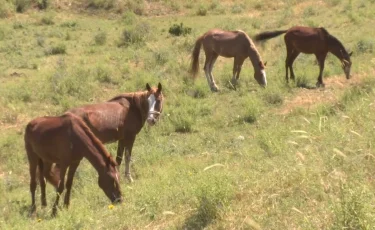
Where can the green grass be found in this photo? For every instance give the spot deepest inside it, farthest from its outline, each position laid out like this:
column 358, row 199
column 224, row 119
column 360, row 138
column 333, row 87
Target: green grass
column 310, row 168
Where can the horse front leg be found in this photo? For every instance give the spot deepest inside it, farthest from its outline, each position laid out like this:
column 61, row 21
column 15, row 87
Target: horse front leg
column 321, row 59
column 120, row 152
column 69, row 182
column 129, row 141
column 60, row 189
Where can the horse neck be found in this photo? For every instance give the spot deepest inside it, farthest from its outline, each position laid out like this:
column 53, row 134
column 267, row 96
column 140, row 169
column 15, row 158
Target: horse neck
column 336, row 48
column 254, row 56
column 140, row 103
column 93, row 149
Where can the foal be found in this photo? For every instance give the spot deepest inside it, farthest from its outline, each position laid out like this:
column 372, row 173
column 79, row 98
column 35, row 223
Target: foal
column 122, row 118
column 65, row 140
column 309, row 40
column 227, row 44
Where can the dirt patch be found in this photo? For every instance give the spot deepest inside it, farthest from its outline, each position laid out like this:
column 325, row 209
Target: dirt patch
column 310, row 98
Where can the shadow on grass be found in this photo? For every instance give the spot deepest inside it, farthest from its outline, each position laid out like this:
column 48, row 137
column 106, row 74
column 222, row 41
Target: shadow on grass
column 206, row 213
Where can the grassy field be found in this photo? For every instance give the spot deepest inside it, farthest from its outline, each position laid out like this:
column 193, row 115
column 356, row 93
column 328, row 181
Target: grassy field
column 284, row 157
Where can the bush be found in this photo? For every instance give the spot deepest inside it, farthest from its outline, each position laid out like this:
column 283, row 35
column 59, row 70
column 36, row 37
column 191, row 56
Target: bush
column 178, row 30
column 100, row 38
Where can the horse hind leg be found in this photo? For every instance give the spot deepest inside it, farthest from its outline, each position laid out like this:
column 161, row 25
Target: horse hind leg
column 291, row 61
column 237, row 66
column 33, row 166
column 60, row 189
column 213, row 60
column 207, row 70
column 42, row 181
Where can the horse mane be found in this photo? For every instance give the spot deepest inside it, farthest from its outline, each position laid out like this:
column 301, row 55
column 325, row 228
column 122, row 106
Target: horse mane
column 97, row 143
column 253, row 50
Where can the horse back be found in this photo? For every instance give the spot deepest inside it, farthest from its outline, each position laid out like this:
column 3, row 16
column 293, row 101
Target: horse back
column 106, row 120
column 48, row 137
column 307, row 39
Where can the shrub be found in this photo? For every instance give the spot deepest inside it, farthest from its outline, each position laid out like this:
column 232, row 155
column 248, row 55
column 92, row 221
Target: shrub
column 100, row 38
column 365, row 46
column 5, row 9
column 22, row 5
column 101, row 4
column 58, row 49
column 273, row 98
column 178, row 30
column 135, row 35
column 43, row 4
column 202, row 11
column 47, row 20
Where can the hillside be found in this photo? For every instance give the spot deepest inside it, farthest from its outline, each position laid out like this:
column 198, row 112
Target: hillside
column 288, row 156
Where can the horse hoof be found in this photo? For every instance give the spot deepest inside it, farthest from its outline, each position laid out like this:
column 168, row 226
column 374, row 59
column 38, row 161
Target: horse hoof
column 214, row 89
column 130, row 179
column 318, row 84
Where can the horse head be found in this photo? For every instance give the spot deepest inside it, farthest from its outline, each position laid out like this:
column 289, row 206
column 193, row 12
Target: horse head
column 346, row 63
column 155, row 104
column 109, row 181
column 260, row 74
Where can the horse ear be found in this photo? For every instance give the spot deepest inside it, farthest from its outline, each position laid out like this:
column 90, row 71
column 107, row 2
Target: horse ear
column 265, row 63
column 148, row 87
column 350, row 54
column 159, row 87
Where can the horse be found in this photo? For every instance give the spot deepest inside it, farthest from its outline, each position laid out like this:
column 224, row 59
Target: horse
column 308, row 40
column 227, row 44
column 122, row 118
column 66, row 140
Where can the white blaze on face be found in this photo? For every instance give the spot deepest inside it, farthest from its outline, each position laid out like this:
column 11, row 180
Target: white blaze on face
column 151, row 106
column 263, row 72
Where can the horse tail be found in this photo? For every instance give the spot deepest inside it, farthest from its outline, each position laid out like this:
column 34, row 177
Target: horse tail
column 195, row 57
column 268, row 34
column 79, row 126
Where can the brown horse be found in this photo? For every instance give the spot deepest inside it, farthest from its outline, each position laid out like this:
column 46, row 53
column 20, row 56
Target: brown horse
column 65, row 140
column 308, row 40
column 122, row 118
column 228, row 44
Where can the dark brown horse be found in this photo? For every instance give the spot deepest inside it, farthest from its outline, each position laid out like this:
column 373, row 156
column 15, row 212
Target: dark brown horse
column 228, row 44
column 122, row 118
column 65, row 140
column 308, row 40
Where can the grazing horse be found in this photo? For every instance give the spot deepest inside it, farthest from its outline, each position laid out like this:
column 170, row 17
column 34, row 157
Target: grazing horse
column 228, row 44
column 122, row 118
column 65, row 140
column 309, row 40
